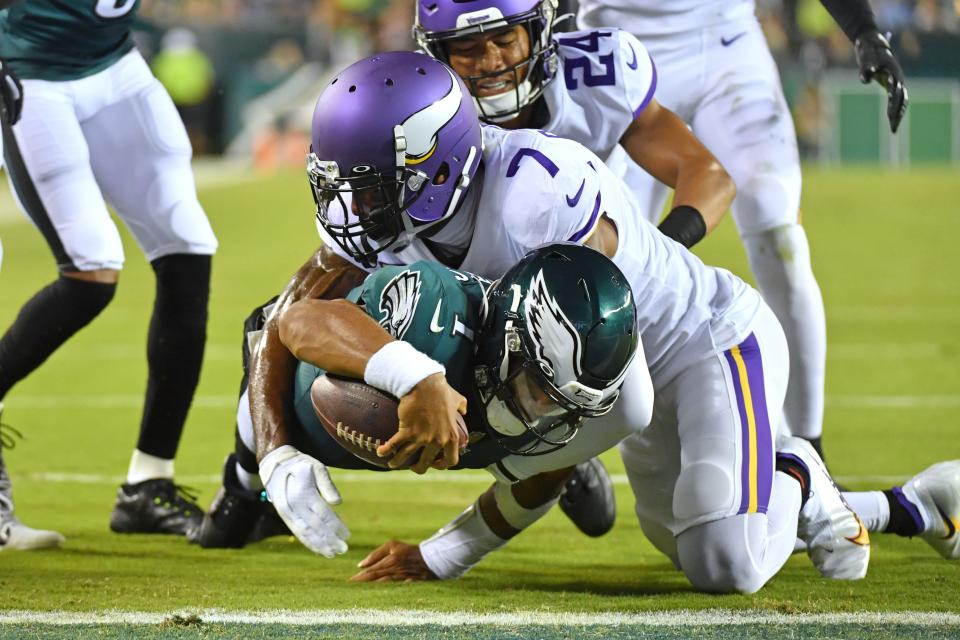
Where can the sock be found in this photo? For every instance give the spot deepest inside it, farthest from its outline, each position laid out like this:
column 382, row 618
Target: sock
column 178, row 331
column 872, row 507
column 249, row 481
column 905, row 518
column 792, row 466
column 780, row 260
column 144, row 466
column 45, row 322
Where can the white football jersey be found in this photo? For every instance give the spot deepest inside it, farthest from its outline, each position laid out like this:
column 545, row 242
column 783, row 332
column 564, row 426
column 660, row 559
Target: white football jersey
column 538, row 188
column 605, row 78
column 651, row 18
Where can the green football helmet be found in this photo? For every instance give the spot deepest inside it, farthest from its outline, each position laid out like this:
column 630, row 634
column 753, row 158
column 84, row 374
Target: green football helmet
column 559, row 335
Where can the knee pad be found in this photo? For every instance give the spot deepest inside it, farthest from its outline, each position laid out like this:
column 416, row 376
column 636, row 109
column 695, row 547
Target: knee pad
column 702, row 489
column 782, row 249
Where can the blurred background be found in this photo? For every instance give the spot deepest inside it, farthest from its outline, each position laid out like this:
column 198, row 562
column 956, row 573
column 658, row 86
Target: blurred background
column 245, row 73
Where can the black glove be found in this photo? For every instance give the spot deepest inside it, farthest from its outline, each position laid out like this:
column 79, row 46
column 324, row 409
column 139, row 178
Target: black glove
column 876, row 62
column 11, row 92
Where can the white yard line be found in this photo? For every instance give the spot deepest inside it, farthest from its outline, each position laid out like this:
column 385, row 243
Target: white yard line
column 375, row 477
column 371, row 617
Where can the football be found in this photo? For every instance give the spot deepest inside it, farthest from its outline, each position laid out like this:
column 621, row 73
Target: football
column 359, row 417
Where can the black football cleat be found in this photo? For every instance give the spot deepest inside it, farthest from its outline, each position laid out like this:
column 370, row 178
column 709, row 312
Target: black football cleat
column 588, row 498
column 270, row 524
column 155, row 506
column 233, row 515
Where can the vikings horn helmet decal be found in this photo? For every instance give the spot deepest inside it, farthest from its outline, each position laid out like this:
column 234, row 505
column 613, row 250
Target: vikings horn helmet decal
column 420, row 130
column 395, row 144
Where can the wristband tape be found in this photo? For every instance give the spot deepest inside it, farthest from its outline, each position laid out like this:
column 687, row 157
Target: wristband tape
column 684, row 224
column 457, row 547
column 398, row 367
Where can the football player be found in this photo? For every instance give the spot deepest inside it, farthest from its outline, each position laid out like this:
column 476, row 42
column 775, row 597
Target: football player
column 98, row 128
column 13, row 533
column 596, row 87
column 715, row 71
column 468, row 347
column 402, row 171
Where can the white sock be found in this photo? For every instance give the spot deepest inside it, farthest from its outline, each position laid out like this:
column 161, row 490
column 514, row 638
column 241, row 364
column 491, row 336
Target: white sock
column 249, row 481
column 780, row 260
column 144, row 466
column 872, row 507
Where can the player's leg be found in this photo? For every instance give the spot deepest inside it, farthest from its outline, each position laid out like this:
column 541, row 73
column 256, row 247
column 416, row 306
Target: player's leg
column 48, row 167
column 140, row 155
column 745, row 122
column 928, row 506
column 238, row 513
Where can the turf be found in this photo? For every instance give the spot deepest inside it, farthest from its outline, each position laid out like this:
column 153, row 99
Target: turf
column 884, row 249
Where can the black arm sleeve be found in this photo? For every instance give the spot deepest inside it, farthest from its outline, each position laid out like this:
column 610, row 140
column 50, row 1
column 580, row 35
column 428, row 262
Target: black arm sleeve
column 855, row 17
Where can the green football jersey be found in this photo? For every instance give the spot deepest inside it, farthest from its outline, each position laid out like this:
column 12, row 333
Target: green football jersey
column 435, row 309
column 65, row 39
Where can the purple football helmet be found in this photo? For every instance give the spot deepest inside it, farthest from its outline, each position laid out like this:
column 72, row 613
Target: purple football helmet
column 439, row 21
column 396, row 142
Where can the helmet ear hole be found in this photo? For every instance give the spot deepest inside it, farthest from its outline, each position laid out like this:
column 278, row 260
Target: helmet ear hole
column 443, row 172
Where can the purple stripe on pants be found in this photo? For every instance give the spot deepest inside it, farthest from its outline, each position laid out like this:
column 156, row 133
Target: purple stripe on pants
column 750, row 354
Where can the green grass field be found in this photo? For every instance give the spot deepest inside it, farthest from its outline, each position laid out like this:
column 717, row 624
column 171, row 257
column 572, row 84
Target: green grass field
column 884, row 250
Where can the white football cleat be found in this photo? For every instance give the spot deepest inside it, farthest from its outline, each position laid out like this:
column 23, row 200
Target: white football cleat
column 837, row 542
column 15, row 535
column 936, row 493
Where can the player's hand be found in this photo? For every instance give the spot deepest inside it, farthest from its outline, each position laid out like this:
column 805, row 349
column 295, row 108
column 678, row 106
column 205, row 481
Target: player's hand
column 428, row 419
column 11, row 92
column 877, row 62
column 301, row 491
column 394, row 561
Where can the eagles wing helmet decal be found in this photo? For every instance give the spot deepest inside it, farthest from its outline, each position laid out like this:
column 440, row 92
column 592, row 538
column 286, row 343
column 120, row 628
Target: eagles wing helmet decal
column 421, row 128
column 553, row 333
column 398, row 302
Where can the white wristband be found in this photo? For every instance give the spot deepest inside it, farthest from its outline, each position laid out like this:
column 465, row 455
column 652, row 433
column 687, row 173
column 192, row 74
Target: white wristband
column 516, row 515
column 457, row 547
column 398, row 367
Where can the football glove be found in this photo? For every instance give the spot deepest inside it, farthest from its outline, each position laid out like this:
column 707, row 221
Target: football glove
column 302, row 493
column 877, row 62
column 11, row 92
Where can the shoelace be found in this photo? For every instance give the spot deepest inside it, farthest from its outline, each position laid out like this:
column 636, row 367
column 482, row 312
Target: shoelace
column 184, row 493
column 9, row 436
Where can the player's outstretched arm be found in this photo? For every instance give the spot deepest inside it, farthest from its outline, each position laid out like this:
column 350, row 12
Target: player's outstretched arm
column 874, row 56
column 272, row 366
column 662, row 144
column 502, row 512
column 339, row 337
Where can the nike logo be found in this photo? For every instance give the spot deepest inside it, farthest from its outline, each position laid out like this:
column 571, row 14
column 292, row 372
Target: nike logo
column 435, row 321
column 729, row 42
column 951, row 523
column 632, row 65
column 572, row 202
column 863, row 536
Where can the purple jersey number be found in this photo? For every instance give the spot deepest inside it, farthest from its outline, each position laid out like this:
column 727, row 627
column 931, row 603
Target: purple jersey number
column 589, row 43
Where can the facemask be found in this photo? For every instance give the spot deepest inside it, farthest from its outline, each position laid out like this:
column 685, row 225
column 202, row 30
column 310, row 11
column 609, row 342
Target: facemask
column 502, row 419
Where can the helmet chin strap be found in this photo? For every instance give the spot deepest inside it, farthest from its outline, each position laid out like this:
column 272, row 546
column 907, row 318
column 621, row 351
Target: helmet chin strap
column 508, row 101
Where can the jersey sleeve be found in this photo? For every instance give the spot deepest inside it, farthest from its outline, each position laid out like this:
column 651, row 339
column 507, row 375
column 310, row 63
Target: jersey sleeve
column 639, row 73
column 426, row 305
column 556, row 189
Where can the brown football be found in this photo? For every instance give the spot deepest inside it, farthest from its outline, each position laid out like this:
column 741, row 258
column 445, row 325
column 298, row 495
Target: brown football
column 359, row 417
